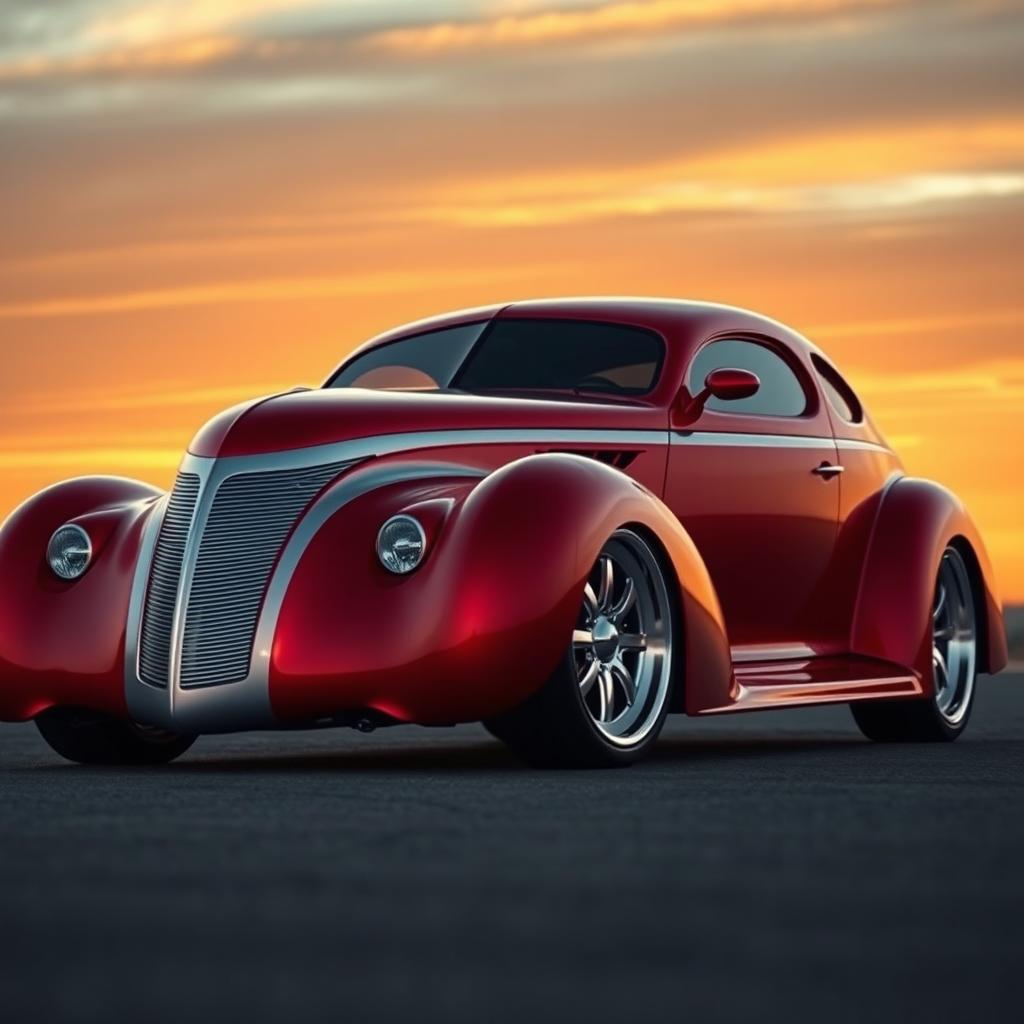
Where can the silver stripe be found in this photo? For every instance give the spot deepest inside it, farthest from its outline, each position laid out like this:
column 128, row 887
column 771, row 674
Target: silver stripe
column 844, row 444
column 759, row 653
column 725, row 440
column 390, row 444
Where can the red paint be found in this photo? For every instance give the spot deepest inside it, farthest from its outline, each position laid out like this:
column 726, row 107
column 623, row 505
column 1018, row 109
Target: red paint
column 793, row 587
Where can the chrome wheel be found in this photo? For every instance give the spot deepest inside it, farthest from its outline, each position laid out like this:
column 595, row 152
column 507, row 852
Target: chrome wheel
column 622, row 642
column 954, row 638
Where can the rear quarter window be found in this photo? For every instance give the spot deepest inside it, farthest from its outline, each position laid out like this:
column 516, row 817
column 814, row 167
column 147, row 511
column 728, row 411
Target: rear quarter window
column 839, row 394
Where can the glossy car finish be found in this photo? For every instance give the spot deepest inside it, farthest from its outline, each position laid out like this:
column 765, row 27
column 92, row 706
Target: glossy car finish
column 802, row 559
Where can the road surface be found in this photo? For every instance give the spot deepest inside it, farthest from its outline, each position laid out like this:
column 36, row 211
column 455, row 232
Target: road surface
column 769, row 867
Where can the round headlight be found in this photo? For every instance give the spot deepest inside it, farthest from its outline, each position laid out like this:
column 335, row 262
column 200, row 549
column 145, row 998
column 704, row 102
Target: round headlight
column 401, row 544
column 69, row 552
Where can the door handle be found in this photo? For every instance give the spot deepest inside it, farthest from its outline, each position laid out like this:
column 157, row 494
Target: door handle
column 827, row 470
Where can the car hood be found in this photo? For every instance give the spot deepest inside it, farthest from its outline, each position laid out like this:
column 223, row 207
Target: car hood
column 304, row 419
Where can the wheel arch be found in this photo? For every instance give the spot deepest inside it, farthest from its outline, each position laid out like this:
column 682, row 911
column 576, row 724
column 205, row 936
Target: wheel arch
column 917, row 520
column 982, row 607
column 703, row 676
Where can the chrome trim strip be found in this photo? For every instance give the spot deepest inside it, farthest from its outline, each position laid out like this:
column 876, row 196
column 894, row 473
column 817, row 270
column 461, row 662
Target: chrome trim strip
column 390, row 444
column 726, row 440
column 766, row 653
column 146, row 703
column 845, row 444
column 732, row 440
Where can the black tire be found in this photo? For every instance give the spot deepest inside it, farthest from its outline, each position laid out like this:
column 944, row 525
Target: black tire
column 88, row 737
column 557, row 726
column 905, row 721
column 943, row 717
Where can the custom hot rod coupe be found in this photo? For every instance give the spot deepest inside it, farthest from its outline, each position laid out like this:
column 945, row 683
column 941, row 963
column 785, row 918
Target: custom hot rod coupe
column 566, row 519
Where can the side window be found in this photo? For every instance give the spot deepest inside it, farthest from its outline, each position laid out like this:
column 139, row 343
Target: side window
column 840, row 395
column 780, row 393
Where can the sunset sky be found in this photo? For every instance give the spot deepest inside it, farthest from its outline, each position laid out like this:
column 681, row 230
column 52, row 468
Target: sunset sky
column 206, row 201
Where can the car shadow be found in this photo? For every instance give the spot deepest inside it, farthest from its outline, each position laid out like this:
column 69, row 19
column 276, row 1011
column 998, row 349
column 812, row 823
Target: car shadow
column 490, row 756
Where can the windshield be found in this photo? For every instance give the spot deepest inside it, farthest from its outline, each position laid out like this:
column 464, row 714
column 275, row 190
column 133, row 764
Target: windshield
column 514, row 355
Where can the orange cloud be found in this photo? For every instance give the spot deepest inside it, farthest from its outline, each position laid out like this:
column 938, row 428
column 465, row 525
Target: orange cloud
column 887, row 167
column 118, row 402
column 917, row 324
column 155, row 21
column 275, row 289
column 169, row 55
column 612, row 19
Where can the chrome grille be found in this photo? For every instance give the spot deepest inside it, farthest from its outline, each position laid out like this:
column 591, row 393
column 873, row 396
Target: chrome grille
column 249, row 521
column 165, row 575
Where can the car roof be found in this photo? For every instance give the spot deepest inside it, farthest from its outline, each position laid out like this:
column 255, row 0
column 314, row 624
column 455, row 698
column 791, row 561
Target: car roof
column 681, row 321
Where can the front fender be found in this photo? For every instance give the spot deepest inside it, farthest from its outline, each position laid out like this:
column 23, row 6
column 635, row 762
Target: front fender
column 63, row 643
column 917, row 521
column 481, row 625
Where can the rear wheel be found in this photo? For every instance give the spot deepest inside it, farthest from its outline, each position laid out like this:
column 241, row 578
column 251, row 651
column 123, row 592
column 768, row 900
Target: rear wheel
column 89, row 737
column 954, row 668
column 606, row 702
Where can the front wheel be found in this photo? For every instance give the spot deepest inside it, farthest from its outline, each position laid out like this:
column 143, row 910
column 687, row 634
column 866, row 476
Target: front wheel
column 606, row 703
column 89, row 737
column 954, row 635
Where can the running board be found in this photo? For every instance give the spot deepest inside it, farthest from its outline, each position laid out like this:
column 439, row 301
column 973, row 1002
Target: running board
column 825, row 680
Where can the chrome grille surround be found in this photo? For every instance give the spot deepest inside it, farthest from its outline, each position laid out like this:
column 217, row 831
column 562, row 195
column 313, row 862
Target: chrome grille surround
column 249, row 519
column 246, row 704
column 210, row 557
column 164, row 580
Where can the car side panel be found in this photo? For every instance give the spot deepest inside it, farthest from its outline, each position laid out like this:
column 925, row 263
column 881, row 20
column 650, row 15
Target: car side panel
column 766, row 527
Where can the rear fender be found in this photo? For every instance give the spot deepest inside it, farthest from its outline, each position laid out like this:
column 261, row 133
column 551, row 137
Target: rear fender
column 917, row 521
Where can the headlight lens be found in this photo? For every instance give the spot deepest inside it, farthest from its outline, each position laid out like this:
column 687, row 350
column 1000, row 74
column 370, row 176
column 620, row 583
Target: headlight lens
column 69, row 552
column 401, row 544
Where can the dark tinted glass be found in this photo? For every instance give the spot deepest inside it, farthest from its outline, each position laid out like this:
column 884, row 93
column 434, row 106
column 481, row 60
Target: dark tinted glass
column 424, row 361
column 839, row 393
column 563, row 355
column 780, row 393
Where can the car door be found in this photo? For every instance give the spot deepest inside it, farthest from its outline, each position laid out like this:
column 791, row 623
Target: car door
column 756, row 484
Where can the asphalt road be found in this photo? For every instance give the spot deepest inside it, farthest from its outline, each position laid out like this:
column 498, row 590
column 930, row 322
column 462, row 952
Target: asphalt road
column 760, row 867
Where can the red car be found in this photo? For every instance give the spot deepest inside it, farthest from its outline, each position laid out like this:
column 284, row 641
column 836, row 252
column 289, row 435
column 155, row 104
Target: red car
column 566, row 519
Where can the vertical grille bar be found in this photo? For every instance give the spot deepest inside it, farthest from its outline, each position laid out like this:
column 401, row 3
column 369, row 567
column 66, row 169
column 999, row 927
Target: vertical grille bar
column 250, row 519
column 165, row 576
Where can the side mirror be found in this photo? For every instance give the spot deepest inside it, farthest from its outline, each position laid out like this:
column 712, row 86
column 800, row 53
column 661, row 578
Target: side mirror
column 725, row 384
column 730, row 385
